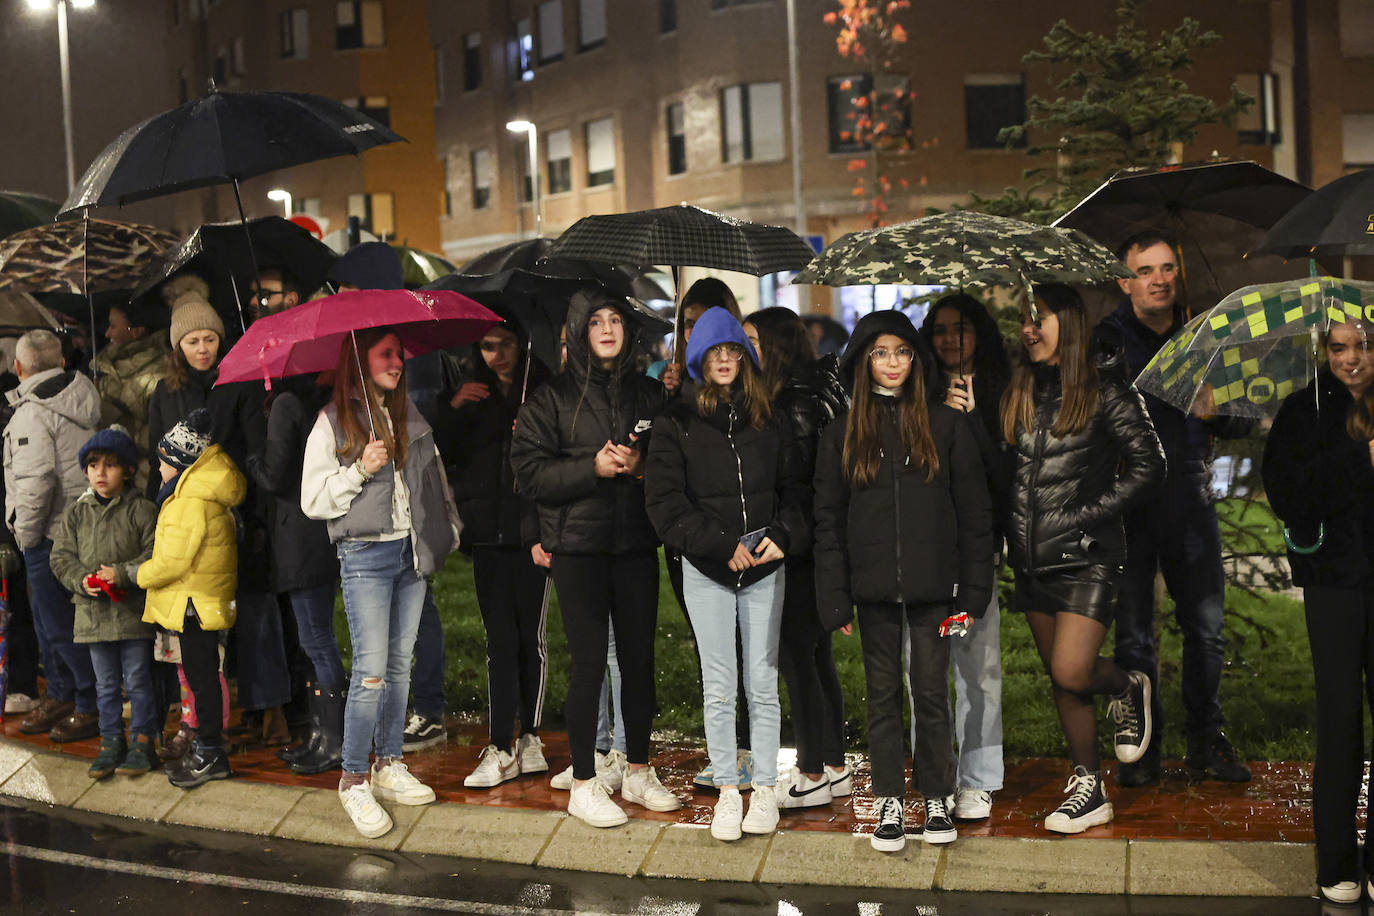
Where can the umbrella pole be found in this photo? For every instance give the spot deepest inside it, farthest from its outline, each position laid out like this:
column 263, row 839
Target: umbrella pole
column 367, row 396
column 86, row 275
column 252, row 257
column 529, row 356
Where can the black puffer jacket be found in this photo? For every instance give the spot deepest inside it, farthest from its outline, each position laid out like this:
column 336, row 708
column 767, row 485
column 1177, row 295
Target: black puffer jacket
column 711, row 480
column 903, row 538
column 562, row 427
column 1068, row 495
column 810, row 401
column 302, row 556
column 474, row 440
column 1318, row 478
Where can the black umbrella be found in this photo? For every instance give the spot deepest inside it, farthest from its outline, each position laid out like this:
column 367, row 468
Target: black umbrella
column 1215, row 211
column 19, row 211
column 684, row 236
column 223, row 138
column 1334, row 220
column 532, row 257
column 219, row 252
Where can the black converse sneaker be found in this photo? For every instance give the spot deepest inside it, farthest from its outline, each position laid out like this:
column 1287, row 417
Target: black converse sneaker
column 1131, row 712
column 1086, row 806
column 891, row 833
column 938, row 827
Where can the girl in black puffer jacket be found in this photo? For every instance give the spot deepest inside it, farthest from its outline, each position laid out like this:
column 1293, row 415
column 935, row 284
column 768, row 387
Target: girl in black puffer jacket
column 904, row 531
column 723, row 489
column 474, row 437
column 577, row 453
column 808, row 393
column 1085, row 450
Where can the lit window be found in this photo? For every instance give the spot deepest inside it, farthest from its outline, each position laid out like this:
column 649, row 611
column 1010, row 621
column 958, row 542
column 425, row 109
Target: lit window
column 550, row 31
column 481, row 179
column 751, row 121
column 295, row 34
column 558, row 156
column 677, row 139
column 359, row 24
column 591, row 22
column 600, row 152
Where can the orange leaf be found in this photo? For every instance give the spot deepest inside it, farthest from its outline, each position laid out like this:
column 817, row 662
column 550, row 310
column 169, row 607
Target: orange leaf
column 857, row 165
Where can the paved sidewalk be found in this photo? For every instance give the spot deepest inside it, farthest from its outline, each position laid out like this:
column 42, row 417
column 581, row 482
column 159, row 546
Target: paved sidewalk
column 1182, row 838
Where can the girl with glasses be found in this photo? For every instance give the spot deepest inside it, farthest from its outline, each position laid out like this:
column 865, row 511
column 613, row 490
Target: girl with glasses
column 722, row 488
column 903, row 531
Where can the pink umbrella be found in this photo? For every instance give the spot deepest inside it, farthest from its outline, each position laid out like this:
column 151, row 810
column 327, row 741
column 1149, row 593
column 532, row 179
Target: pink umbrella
column 307, row 338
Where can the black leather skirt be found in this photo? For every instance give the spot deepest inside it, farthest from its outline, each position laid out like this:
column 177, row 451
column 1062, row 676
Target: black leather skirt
column 1090, row 591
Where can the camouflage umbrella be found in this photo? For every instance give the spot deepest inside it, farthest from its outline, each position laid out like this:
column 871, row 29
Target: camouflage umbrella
column 1255, row 347
column 963, row 249
column 80, row 256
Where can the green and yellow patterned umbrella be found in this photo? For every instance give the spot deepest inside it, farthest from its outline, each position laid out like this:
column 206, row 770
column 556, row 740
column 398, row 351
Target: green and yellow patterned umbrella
column 1255, row 347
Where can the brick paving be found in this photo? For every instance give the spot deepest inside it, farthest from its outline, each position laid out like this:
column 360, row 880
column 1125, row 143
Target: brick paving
column 1274, row 806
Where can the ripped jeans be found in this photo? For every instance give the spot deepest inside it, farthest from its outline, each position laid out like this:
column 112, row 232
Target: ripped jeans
column 383, row 595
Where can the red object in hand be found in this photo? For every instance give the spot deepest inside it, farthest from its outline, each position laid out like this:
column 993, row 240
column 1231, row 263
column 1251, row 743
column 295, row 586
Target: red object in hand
column 955, row 626
column 109, row 588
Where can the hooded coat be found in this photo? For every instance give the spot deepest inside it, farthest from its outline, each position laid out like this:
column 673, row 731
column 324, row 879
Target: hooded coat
column 126, row 374
column 117, row 534
column 1068, row 494
column 55, row 412
column 566, row 422
column 195, row 552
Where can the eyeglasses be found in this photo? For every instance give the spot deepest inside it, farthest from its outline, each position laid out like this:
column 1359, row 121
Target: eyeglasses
column 264, row 295
column 732, row 352
column 903, row 355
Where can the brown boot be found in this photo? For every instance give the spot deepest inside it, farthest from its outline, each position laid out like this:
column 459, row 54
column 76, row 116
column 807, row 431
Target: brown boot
column 275, row 731
column 179, row 745
column 77, row 727
column 45, row 715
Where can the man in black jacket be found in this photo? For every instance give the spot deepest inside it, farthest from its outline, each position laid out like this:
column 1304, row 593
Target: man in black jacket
column 1176, row 532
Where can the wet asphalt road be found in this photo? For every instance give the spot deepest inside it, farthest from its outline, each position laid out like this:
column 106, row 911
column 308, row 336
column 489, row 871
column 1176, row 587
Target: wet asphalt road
column 59, row 861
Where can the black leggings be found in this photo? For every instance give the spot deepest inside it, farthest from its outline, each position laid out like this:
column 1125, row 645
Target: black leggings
column 808, row 668
column 200, row 661
column 595, row 592
column 510, row 595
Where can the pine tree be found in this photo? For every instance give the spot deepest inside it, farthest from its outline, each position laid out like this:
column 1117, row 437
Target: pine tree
column 1122, row 102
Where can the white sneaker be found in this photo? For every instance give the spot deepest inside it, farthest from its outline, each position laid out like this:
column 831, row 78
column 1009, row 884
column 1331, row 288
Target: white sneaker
column 396, row 783
column 841, row 781
column 972, row 804
column 530, row 750
column 795, row 790
column 763, row 811
column 1342, row 892
column 495, row 767
column 563, row 781
column 610, row 770
column 642, row 787
column 18, row 704
column 590, row 802
column 364, row 811
column 728, row 816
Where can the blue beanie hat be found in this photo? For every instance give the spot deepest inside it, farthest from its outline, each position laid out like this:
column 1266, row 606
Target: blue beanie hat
column 115, row 440
column 716, row 326
column 371, row 265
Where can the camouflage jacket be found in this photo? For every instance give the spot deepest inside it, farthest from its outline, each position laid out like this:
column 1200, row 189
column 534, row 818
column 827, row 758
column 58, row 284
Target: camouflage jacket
column 125, row 376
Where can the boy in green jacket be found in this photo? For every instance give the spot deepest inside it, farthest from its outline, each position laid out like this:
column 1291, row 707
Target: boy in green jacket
column 108, row 528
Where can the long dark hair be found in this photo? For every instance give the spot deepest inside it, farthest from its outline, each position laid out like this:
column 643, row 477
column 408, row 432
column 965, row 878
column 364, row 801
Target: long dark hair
column 1078, row 375
column 708, row 292
column 863, row 439
column 349, row 386
column 990, row 364
column 786, row 344
column 748, row 382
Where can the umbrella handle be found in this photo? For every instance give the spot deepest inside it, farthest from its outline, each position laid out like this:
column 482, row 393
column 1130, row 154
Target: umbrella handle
column 529, row 355
column 1305, row 551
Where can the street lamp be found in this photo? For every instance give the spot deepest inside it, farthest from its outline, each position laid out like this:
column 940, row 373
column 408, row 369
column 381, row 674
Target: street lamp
column 527, row 127
column 64, row 58
column 282, row 197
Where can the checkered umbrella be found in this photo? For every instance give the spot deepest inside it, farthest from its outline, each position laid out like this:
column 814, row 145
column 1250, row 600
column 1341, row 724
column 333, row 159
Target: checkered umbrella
column 683, row 236
column 1255, row 347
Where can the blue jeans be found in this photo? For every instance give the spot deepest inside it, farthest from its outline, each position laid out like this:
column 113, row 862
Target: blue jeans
column 129, row 661
column 716, row 610
column 1186, row 547
column 66, row 665
column 383, row 595
column 260, row 652
column 605, row 739
column 976, row 660
column 427, row 680
column 314, row 612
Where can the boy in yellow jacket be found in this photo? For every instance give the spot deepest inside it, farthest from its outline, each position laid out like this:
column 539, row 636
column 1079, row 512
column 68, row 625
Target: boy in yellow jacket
column 191, row 577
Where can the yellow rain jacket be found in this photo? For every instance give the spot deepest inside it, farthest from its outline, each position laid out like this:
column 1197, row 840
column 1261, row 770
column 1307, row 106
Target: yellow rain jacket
column 195, row 551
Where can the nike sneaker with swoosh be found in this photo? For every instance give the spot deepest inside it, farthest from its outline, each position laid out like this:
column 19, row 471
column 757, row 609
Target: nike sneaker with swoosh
column 794, row 790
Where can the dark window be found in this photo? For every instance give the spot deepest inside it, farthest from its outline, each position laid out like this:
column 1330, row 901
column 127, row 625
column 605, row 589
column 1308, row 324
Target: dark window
column 522, row 57
column 667, row 16
column 176, row 13
column 295, row 33
column 677, row 139
column 722, row 4
column 472, row 61
column 851, row 123
column 182, row 90
column 358, row 24
column 221, row 69
column 591, row 24
column 992, row 102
